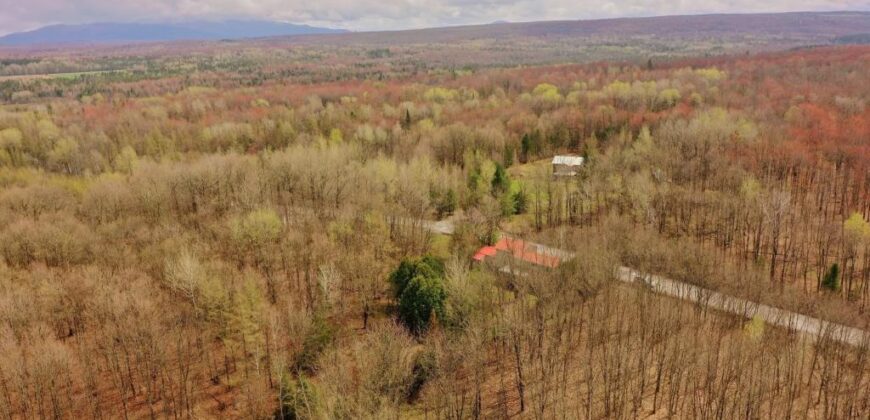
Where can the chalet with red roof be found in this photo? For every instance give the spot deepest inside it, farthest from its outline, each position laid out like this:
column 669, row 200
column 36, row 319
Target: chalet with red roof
column 509, row 252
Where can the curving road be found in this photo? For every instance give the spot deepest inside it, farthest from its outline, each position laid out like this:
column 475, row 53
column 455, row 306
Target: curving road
column 775, row 316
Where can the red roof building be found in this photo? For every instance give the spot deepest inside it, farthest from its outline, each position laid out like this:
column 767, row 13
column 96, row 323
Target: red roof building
column 487, row 251
column 519, row 250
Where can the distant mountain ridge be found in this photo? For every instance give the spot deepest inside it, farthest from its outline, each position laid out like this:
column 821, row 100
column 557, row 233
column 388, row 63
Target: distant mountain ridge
column 112, row 32
column 799, row 28
column 812, row 27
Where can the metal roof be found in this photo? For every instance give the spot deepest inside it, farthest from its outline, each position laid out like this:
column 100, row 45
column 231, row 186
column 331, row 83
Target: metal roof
column 521, row 250
column 568, row 160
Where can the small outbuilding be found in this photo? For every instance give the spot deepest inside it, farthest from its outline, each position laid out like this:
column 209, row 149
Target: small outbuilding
column 567, row 165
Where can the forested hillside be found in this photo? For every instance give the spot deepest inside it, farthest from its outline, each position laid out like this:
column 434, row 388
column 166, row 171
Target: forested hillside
column 188, row 239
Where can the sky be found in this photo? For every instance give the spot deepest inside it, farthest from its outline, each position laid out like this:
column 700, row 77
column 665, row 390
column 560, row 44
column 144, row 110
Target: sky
column 362, row 15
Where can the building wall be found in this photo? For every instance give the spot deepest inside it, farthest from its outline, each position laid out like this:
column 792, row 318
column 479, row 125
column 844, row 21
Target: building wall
column 561, row 169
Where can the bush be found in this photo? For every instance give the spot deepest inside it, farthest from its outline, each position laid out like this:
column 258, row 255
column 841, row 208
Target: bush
column 754, row 328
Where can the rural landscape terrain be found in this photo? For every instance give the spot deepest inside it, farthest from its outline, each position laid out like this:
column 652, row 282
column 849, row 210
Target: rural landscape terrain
column 660, row 217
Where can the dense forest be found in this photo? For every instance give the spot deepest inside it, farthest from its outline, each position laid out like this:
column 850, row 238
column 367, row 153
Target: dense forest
column 249, row 235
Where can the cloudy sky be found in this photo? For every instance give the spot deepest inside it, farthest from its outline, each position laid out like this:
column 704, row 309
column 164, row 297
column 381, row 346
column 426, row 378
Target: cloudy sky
column 19, row 15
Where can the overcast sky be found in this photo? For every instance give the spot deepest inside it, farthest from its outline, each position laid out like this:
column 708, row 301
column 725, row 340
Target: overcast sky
column 19, row 15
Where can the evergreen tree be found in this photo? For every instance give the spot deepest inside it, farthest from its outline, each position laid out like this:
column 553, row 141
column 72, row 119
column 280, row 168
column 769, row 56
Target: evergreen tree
column 521, row 202
column 426, row 266
column 500, row 180
column 423, row 297
column 317, row 337
column 474, row 178
column 831, row 281
column 445, row 203
column 406, row 123
column 419, row 289
column 508, row 156
column 529, row 146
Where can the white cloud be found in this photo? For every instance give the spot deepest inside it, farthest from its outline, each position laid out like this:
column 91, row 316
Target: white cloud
column 17, row 15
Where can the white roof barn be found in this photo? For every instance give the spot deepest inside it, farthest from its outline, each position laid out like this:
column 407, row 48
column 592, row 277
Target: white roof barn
column 566, row 165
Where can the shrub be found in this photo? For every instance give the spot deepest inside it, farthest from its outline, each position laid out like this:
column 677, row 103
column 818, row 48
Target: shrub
column 754, row 328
